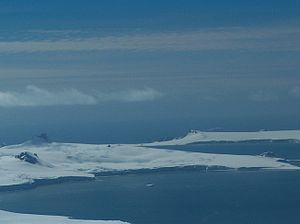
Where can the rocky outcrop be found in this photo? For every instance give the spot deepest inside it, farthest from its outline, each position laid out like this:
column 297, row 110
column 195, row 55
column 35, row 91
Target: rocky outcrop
column 268, row 154
column 28, row 157
column 39, row 140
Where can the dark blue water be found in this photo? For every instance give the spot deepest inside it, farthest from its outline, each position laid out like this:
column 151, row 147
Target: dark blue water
column 178, row 196
column 282, row 149
column 289, row 150
column 29, row 122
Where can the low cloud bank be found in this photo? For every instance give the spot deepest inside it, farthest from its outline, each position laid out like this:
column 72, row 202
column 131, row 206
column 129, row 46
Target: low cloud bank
column 263, row 96
column 226, row 38
column 35, row 96
column 295, row 91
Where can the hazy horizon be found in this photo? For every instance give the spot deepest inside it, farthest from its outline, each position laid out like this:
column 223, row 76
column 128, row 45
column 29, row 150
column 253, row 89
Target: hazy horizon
column 128, row 71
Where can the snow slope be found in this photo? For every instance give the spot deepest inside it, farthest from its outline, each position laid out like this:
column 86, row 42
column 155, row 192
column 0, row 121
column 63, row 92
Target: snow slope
column 83, row 160
column 16, row 218
column 26, row 163
column 202, row 136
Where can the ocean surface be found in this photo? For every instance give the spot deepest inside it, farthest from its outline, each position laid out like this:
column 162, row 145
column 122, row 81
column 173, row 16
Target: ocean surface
column 176, row 196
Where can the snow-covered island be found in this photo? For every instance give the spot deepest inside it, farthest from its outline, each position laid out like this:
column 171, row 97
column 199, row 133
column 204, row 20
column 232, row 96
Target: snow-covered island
column 40, row 160
column 16, row 218
column 195, row 136
column 45, row 160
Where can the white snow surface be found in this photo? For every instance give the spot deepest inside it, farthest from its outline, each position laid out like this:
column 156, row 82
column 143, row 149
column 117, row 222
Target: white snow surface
column 202, row 136
column 83, row 160
column 16, row 218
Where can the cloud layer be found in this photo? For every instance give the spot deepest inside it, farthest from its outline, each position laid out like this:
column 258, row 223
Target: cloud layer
column 295, row 91
column 35, row 96
column 261, row 39
column 263, row 96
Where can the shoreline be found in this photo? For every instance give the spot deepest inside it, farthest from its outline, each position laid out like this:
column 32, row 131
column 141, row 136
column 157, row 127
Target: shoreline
column 73, row 179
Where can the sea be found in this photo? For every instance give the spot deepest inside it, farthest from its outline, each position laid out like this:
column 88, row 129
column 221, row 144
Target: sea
column 176, row 196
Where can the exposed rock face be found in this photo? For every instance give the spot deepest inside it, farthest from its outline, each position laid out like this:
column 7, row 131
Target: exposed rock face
column 268, row 154
column 39, row 140
column 28, row 157
column 43, row 138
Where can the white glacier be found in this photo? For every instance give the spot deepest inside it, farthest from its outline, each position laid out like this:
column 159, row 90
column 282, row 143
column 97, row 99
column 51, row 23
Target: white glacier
column 203, row 136
column 84, row 160
column 16, row 218
column 27, row 163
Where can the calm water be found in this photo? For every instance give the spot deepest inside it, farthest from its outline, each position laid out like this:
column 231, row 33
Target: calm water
column 176, row 196
column 282, row 149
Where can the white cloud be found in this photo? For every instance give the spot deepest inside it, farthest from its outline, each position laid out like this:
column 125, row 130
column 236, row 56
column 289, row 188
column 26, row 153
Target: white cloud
column 133, row 95
column 262, row 39
column 295, row 91
column 35, row 96
column 263, row 96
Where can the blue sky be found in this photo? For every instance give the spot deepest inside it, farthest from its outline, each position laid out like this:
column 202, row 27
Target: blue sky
column 90, row 70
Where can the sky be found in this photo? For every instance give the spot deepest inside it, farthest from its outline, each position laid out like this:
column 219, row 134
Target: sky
column 138, row 70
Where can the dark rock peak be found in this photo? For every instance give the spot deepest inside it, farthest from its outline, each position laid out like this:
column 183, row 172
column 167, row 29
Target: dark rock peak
column 268, row 154
column 39, row 140
column 28, row 157
column 44, row 137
